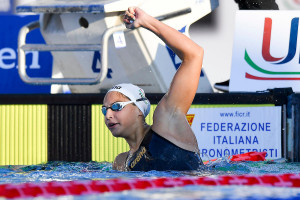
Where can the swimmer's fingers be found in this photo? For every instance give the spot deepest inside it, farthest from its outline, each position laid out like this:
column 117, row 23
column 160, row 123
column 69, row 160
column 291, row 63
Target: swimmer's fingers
column 131, row 12
column 129, row 19
column 129, row 23
column 132, row 9
column 134, row 17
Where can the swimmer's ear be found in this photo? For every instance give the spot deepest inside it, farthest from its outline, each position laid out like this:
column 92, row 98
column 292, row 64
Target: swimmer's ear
column 140, row 113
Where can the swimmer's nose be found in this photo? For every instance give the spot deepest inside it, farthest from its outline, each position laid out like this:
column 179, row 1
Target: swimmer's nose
column 109, row 113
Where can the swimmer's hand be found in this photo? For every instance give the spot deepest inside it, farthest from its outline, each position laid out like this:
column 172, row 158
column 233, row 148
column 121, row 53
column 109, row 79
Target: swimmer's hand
column 134, row 17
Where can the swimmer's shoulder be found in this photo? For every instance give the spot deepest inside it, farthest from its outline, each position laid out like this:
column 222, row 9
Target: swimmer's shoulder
column 119, row 162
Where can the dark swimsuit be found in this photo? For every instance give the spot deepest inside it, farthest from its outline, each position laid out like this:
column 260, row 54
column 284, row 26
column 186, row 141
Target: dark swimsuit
column 157, row 153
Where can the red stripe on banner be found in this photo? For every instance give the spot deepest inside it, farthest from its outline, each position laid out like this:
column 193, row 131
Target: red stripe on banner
column 249, row 76
column 267, row 41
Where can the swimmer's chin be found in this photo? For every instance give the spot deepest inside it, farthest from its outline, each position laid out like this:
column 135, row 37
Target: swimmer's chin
column 115, row 133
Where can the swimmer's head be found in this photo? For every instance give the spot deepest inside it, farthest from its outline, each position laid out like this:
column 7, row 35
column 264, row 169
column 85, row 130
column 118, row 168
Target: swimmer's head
column 134, row 93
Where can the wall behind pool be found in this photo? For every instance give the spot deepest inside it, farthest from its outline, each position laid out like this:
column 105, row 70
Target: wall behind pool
column 23, row 134
column 70, row 127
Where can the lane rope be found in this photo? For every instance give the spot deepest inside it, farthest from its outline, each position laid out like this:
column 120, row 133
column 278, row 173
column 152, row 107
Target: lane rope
column 53, row 189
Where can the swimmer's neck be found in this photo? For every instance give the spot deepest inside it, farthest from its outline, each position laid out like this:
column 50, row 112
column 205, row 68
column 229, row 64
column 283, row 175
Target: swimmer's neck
column 136, row 138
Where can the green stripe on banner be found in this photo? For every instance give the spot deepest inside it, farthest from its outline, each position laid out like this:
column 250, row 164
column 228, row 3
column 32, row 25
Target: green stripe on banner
column 23, row 134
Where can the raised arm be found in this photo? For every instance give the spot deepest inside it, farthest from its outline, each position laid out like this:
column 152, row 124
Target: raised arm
column 185, row 82
column 169, row 119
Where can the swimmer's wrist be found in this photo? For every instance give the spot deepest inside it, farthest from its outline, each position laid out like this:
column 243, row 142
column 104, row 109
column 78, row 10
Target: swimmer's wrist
column 149, row 22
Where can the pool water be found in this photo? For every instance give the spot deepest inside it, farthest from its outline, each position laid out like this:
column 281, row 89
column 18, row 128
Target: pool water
column 67, row 171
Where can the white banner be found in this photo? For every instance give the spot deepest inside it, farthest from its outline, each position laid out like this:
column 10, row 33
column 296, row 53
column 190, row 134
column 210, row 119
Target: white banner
column 229, row 131
column 265, row 51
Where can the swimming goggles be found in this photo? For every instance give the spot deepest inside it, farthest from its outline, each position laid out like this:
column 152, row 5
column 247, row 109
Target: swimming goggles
column 117, row 106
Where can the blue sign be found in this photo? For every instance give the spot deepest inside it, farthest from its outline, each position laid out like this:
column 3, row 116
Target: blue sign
column 39, row 64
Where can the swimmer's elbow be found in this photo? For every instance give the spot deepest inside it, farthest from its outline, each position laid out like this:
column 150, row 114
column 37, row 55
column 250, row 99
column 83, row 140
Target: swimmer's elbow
column 200, row 52
column 196, row 54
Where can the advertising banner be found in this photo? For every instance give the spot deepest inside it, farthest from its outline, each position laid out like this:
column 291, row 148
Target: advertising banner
column 235, row 130
column 265, row 51
column 38, row 64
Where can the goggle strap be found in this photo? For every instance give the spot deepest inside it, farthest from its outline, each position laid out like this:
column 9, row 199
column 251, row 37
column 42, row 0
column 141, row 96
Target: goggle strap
column 141, row 99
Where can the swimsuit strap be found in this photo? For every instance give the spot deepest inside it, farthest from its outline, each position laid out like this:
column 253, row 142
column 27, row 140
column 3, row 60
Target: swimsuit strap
column 147, row 139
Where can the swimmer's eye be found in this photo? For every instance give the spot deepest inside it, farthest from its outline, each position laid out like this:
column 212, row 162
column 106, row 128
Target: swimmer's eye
column 117, row 106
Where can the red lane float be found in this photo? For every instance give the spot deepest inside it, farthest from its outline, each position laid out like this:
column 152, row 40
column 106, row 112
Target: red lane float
column 52, row 189
column 250, row 156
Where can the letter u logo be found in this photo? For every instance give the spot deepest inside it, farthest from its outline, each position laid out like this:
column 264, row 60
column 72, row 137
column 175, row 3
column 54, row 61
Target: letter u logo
column 292, row 43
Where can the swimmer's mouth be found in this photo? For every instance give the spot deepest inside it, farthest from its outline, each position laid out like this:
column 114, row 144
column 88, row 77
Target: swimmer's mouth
column 111, row 125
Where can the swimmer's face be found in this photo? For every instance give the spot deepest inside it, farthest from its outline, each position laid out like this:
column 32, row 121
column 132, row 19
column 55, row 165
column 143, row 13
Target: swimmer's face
column 120, row 123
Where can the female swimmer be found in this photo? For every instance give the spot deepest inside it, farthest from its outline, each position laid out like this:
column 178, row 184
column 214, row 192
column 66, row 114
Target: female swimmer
column 169, row 143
